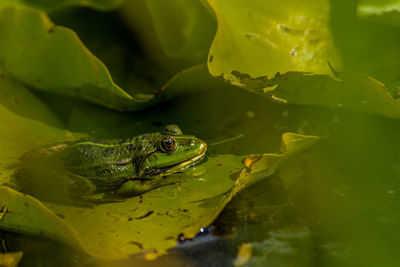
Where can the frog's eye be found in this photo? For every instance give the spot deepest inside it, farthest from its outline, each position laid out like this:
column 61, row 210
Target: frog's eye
column 168, row 144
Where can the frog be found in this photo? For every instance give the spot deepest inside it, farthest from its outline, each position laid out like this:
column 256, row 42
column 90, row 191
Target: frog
column 107, row 170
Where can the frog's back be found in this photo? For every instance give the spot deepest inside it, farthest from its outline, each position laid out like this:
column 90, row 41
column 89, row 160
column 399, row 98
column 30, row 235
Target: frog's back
column 107, row 158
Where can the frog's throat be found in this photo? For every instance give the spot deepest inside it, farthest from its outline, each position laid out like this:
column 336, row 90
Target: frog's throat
column 177, row 167
column 183, row 165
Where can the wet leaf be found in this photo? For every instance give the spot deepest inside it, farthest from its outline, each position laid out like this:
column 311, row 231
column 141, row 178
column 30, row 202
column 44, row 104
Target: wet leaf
column 25, row 214
column 153, row 222
column 268, row 179
column 260, row 166
column 184, row 28
column 20, row 135
column 17, row 98
column 57, row 60
column 264, row 37
column 348, row 91
column 114, row 230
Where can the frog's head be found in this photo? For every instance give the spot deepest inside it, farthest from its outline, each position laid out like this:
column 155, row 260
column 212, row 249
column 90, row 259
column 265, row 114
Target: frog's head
column 174, row 152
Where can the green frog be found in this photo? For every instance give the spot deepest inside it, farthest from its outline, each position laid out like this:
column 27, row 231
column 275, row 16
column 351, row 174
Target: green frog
column 107, row 169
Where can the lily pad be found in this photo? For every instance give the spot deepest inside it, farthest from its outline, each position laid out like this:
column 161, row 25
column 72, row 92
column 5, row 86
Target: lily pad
column 153, row 222
column 262, row 166
column 56, row 60
column 348, row 91
column 184, row 28
column 150, row 224
column 17, row 98
column 265, row 37
column 20, row 135
column 25, row 214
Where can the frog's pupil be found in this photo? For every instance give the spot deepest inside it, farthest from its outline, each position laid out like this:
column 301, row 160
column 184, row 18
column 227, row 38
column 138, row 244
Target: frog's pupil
column 168, row 143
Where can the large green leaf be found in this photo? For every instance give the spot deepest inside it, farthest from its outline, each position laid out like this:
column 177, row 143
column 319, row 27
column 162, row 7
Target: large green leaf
column 184, row 28
column 265, row 37
column 152, row 223
column 17, row 98
column 21, row 213
column 56, row 60
column 149, row 224
column 349, row 91
column 20, row 135
column 25, row 214
column 112, row 230
column 286, row 51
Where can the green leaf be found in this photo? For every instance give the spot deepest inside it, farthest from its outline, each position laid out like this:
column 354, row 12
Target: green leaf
column 18, row 99
column 262, row 166
column 56, row 60
column 25, row 214
column 152, row 223
column 20, row 135
column 184, row 28
column 261, row 38
column 349, row 91
column 149, row 224
column 114, row 230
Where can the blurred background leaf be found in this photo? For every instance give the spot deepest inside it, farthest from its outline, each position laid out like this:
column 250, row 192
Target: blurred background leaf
column 48, row 5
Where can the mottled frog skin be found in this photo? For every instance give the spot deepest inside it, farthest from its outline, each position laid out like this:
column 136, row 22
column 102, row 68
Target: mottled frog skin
column 90, row 169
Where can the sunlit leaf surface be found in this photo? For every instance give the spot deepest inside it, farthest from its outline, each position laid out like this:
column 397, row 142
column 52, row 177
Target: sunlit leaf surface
column 261, row 38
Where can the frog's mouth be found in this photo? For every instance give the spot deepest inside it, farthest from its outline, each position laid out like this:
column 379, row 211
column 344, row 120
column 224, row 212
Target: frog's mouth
column 184, row 165
column 180, row 166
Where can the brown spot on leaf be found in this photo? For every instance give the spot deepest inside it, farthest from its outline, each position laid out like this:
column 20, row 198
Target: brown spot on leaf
column 139, row 245
column 251, row 159
column 147, row 214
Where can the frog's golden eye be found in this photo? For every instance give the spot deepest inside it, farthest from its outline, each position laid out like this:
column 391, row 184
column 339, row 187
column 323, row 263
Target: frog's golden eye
column 168, row 144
